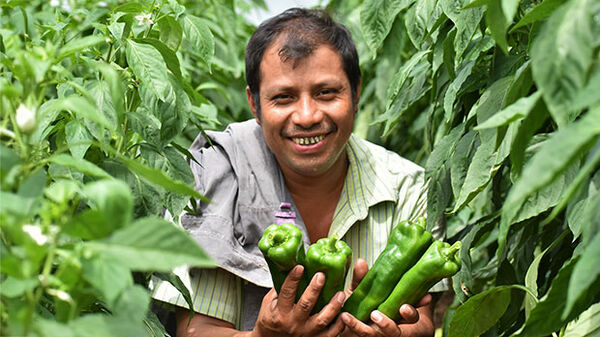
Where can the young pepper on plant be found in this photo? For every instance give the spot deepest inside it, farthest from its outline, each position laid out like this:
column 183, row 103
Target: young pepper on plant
column 406, row 244
column 283, row 248
column 439, row 261
column 331, row 257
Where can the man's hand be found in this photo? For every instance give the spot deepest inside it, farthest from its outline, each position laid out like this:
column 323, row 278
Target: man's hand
column 280, row 316
column 416, row 321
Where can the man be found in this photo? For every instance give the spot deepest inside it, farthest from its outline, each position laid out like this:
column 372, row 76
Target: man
column 303, row 89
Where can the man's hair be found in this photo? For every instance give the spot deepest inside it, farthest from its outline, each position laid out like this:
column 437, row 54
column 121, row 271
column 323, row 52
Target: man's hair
column 302, row 30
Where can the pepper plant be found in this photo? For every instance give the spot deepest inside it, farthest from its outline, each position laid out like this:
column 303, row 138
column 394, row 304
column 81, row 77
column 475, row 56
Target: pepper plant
column 99, row 101
column 499, row 101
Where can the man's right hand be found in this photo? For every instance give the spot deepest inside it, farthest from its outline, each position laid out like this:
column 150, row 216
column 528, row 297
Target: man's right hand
column 280, row 316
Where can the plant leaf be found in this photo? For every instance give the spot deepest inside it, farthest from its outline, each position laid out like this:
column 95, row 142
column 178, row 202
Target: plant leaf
column 79, row 44
column 79, row 164
column 543, row 10
column 585, row 273
column 544, row 167
column 377, row 18
column 197, row 33
column 561, row 56
column 149, row 67
column 586, row 325
column 152, row 244
column 480, row 312
column 511, row 113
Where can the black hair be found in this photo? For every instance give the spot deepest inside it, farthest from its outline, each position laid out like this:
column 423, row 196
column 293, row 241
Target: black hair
column 303, row 30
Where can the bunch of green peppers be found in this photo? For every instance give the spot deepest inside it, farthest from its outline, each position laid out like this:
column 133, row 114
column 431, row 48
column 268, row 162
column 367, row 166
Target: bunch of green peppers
column 407, row 268
column 283, row 248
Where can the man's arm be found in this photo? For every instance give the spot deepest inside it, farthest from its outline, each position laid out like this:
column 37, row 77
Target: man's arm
column 203, row 325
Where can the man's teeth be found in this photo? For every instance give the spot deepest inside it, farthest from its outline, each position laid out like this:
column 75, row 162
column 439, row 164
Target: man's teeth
column 308, row 140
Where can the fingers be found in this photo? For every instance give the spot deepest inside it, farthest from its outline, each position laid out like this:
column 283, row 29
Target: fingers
column 360, row 270
column 384, row 325
column 287, row 294
column 381, row 326
column 322, row 319
column 409, row 314
column 309, row 298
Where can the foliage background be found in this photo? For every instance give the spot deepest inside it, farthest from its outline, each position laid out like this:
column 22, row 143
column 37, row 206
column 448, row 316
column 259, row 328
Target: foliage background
column 497, row 99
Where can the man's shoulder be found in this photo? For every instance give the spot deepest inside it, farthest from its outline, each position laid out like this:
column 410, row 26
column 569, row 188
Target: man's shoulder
column 382, row 158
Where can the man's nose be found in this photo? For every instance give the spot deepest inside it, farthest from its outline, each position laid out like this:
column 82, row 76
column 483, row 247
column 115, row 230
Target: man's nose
column 307, row 112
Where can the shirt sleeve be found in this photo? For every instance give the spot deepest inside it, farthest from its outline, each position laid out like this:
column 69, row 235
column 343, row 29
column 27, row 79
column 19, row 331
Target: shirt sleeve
column 214, row 292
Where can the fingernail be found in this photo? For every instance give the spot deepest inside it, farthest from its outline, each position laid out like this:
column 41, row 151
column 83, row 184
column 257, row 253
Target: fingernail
column 376, row 316
column 320, row 278
column 340, row 297
column 346, row 318
column 298, row 269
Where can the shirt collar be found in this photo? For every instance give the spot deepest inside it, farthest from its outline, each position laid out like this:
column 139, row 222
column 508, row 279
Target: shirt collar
column 368, row 182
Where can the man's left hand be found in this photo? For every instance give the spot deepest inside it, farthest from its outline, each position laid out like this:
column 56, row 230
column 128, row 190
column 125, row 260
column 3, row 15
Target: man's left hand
column 416, row 321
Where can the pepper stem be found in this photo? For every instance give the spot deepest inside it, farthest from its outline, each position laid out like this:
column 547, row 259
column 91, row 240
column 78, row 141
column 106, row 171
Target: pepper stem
column 277, row 238
column 453, row 249
column 331, row 243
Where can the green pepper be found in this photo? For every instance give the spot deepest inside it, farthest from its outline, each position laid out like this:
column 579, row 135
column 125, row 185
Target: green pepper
column 406, row 244
column 283, row 248
column 331, row 257
column 439, row 261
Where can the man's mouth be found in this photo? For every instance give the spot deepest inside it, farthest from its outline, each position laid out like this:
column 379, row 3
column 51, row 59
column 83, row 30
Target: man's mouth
column 308, row 140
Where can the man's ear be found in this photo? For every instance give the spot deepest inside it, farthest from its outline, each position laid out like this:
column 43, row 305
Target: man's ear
column 251, row 103
column 358, row 87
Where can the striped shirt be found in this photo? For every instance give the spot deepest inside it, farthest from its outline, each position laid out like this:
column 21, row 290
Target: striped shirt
column 380, row 189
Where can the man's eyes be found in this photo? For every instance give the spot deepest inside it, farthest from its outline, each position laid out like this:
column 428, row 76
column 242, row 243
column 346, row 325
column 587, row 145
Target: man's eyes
column 327, row 93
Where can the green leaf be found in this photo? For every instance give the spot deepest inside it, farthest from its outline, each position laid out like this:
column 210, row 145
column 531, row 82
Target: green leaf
column 153, row 244
column 12, row 287
column 546, row 316
column 82, row 108
column 479, row 313
column 461, row 160
column 588, row 96
column 116, row 87
column 561, row 56
column 8, row 160
column 159, row 178
column 170, row 32
column 511, row 113
column 420, row 19
column 443, row 150
column 132, row 304
column 79, row 164
column 586, row 325
column 585, row 273
column 450, row 97
column 531, row 276
column 113, row 199
column 167, row 53
column 544, row 166
column 176, row 282
column 78, row 138
column 106, row 275
column 102, row 325
column 465, row 20
column 479, row 173
column 499, row 16
column 403, row 74
column 33, row 187
column 377, row 18
column 543, row 10
column 149, row 67
column 199, row 36
column 79, row 44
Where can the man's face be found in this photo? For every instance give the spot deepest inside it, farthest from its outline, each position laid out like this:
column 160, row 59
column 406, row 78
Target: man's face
column 307, row 113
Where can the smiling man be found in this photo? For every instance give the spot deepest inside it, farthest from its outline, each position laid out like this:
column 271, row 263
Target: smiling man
column 303, row 89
